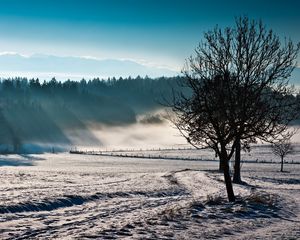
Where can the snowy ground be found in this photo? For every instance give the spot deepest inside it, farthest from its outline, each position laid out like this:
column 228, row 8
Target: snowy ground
column 64, row 196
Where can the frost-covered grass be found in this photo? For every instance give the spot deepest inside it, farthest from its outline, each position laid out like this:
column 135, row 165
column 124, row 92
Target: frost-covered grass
column 63, row 196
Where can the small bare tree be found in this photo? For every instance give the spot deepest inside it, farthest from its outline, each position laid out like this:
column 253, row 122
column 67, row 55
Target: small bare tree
column 282, row 148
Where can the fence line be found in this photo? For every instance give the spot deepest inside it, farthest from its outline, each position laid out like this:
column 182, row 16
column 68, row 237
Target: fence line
column 151, row 156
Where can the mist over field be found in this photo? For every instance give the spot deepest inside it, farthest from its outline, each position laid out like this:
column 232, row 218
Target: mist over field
column 100, row 113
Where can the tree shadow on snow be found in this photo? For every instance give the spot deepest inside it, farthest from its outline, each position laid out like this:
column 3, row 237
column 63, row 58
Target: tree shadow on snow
column 256, row 205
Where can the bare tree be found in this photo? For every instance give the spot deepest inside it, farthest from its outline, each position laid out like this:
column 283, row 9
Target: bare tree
column 282, row 148
column 239, row 91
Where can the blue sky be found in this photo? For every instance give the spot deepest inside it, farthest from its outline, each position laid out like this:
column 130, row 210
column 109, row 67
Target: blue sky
column 158, row 33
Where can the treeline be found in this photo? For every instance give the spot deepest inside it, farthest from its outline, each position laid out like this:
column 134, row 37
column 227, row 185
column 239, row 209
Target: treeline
column 32, row 111
column 148, row 90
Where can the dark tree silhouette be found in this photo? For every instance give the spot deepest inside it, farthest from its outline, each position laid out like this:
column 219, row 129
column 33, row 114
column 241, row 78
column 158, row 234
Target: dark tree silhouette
column 282, row 148
column 206, row 119
column 240, row 92
column 263, row 66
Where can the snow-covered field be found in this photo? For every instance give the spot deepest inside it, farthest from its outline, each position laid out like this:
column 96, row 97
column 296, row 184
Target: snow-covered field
column 69, row 196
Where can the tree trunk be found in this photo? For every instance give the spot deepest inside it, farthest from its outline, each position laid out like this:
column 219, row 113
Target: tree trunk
column 237, row 163
column 281, row 169
column 221, row 166
column 225, row 163
column 229, row 188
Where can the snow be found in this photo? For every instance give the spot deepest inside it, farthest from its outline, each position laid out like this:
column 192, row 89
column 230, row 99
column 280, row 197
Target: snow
column 70, row 196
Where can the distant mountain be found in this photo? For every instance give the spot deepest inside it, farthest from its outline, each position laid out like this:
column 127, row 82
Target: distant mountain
column 48, row 66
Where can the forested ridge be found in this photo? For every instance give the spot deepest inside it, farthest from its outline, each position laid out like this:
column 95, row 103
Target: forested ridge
column 33, row 111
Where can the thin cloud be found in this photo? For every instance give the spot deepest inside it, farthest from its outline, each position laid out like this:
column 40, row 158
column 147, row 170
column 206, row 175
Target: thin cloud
column 46, row 66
